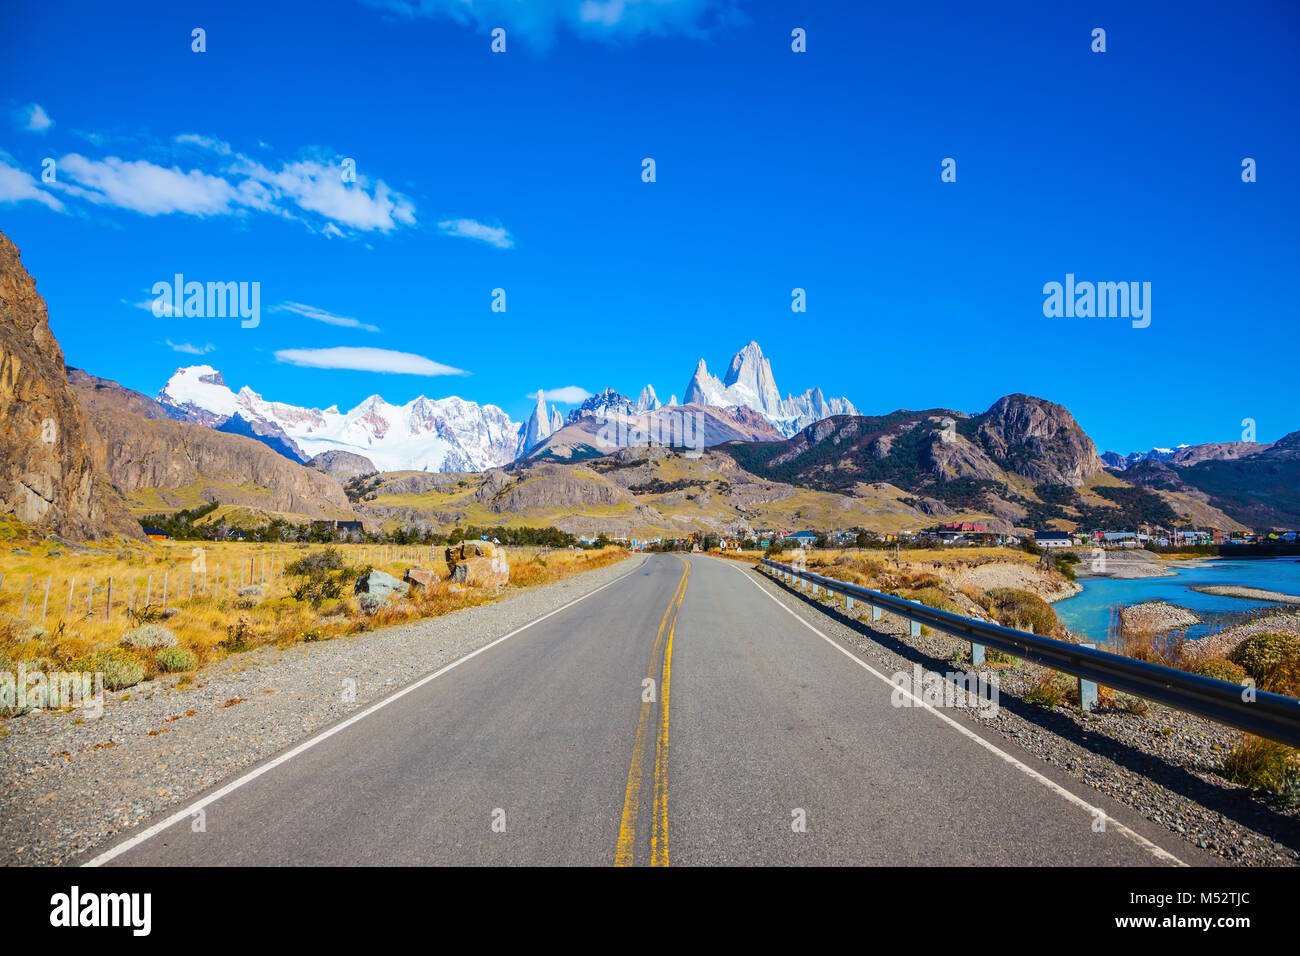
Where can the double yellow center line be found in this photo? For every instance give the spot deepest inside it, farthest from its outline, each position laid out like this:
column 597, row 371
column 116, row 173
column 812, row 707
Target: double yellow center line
column 632, row 798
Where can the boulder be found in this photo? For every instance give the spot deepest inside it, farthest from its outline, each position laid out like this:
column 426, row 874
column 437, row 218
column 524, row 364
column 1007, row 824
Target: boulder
column 422, row 578
column 482, row 571
column 380, row 584
column 478, row 563
column 471, row 549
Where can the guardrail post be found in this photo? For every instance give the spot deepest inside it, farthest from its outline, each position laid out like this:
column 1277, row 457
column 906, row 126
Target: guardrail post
column 976, row 654
column 916, row 628
column 848, row 603
column 1087, row 689
column 875, row 613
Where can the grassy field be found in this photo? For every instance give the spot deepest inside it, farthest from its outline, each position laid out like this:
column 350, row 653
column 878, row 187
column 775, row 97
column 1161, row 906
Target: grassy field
column 221, row 598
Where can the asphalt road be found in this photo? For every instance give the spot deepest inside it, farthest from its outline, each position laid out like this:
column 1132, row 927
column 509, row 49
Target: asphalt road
column 681, row 715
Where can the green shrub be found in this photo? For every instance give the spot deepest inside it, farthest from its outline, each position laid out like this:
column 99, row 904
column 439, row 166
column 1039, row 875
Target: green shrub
column 931, row 597
column 239, row 635
column 1223, row 670
column 151, row 637
column 176, row 659
column 322, row 577
column 1272, row 659
column 1022, row 610
column 1052, row 689
column 120, row 668
column 1264, row 765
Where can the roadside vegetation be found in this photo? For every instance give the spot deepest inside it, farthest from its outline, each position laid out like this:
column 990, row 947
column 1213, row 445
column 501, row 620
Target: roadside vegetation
column 312, row 600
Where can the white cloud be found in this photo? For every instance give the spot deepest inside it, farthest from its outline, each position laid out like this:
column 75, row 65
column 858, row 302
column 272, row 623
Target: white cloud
column 220, row 147
column 568, row 395
column 147, row 305
column 17, row 185
column 319, row 188
column 366, row 360
column 306, row 190
column 320, row 315
column 469, row 229
column 188, row 349
column 146, row 188
column 34, row 119
column 540, row 19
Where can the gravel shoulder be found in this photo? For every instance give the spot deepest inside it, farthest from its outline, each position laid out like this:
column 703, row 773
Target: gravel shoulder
column 1161, row 764
column 70, row 783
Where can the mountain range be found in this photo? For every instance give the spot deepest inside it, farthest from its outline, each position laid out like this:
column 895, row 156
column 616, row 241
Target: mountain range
column 452, row 434
column 83, row 457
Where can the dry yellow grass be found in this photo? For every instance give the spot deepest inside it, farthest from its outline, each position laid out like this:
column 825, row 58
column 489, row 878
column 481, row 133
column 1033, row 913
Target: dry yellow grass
column 212, row 623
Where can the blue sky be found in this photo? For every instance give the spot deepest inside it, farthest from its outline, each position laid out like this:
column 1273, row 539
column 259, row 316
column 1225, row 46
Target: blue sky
column 775, row 170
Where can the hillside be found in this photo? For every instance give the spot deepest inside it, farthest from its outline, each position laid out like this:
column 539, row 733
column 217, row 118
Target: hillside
column 49, row 478
column 1259, row 490
column 161, row 464
column 637, row 492
column 1025, row 463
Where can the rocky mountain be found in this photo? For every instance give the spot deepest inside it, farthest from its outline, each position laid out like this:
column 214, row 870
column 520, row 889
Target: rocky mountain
column 49, row 476
column 1118, row 462
column 1020, row 435
column 987, row 463
column 616, row 422
column 637, row 491
column 159, row 463
column 1185, row 454
column 541, row 425
column 446, row 434
column 1256, row 485
column 604, row 405
column 342, row 466
column 749, row 383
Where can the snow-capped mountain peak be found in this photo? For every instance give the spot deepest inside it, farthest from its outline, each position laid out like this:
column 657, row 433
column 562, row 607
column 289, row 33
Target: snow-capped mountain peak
column 446, row 434
column 750, row 383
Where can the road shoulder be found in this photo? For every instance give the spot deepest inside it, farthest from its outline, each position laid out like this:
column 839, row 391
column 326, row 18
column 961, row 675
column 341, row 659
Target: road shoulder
column 74, row 784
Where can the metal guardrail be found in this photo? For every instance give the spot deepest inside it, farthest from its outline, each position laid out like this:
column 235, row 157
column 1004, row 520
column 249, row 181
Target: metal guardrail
column 1275, row 716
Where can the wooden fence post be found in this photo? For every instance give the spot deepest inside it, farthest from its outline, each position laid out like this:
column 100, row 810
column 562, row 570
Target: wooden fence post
column 130, row 595
column 46, row 602
column 72, row 582
column 25, row 593
column 108, row 611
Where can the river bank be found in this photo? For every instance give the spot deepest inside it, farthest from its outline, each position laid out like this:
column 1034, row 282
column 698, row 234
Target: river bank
column 1221, row 593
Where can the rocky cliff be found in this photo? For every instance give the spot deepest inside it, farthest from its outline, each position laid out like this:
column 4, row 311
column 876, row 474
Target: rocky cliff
column 48, row 474
column 342, row 466
column 151, row 457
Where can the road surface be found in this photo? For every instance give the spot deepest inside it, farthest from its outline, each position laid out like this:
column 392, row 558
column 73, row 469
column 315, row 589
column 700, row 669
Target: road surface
column 681, row 715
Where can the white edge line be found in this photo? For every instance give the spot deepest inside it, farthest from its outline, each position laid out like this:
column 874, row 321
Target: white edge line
column 1156, row 851
column 178, row 816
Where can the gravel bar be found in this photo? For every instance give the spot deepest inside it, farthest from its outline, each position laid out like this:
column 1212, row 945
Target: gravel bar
column 70, row 784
